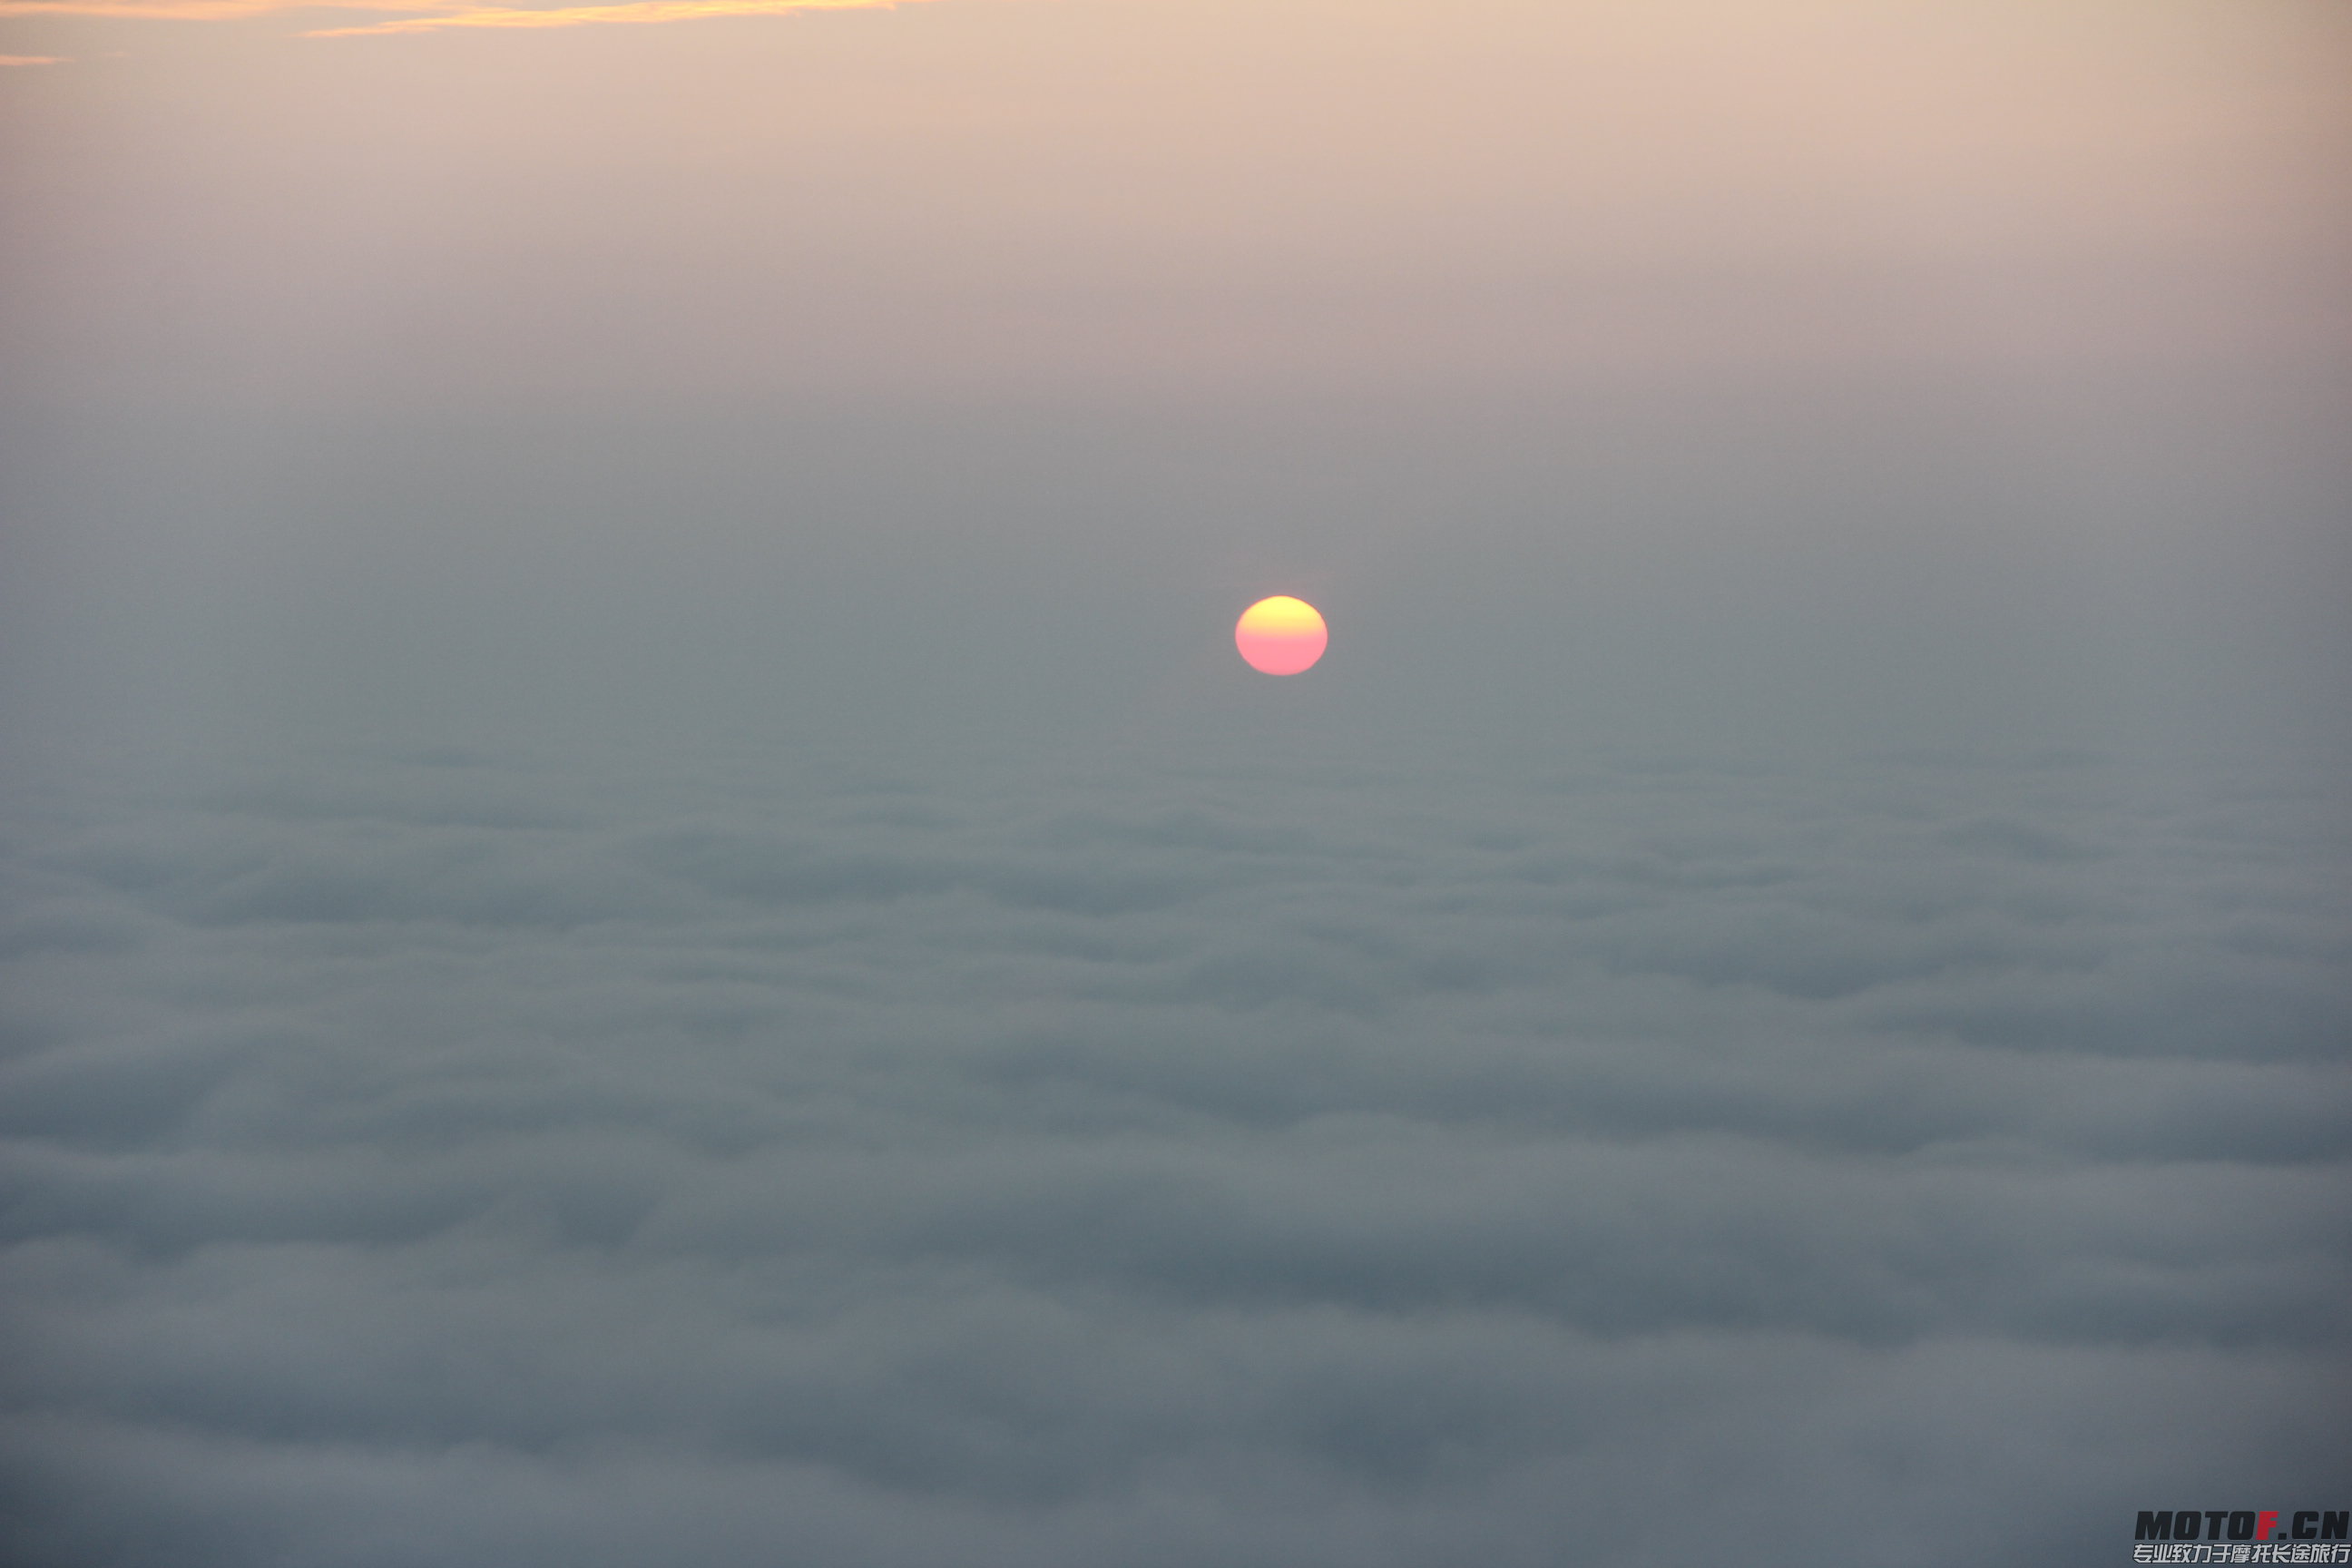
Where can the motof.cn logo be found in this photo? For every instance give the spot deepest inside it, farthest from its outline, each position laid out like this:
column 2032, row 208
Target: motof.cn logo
column 2242, row 1535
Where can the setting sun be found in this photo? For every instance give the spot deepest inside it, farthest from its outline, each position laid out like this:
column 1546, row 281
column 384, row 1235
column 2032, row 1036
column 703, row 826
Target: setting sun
column 1281, row 636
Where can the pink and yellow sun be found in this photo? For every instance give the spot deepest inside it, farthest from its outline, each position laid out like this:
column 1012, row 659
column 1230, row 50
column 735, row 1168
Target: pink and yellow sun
column 1281, row 636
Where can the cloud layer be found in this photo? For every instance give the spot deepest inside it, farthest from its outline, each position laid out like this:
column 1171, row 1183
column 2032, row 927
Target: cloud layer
column 864, row 1037
column 439, row 1157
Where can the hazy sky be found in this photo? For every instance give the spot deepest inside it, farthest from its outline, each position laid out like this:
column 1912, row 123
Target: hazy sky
column 1976, row 365
column 648, row 917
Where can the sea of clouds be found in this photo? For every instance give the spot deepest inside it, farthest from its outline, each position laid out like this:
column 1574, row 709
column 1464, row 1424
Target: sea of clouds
column 1165, row 1155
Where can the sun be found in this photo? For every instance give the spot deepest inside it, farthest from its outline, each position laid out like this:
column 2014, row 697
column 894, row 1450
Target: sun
column 1281, row 636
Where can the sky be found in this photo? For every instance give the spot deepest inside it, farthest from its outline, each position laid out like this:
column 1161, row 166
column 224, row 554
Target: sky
column 645, row 914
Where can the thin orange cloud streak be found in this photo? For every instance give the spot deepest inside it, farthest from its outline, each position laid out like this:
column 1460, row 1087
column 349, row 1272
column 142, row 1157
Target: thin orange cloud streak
column 438, row 14
column 8, row 61
column 200, row 10
column 633, row 12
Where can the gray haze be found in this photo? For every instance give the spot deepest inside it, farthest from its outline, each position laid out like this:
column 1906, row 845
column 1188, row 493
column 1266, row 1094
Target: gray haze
column 646, row 918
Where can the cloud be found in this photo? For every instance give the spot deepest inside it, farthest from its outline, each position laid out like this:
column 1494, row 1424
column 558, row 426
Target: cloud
column 195, row 10
column 6, row 60
column 633, row 13
column 442, row 14
column 1152, row 1162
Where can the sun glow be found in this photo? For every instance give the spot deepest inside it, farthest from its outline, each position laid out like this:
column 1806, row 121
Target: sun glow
column 1281, row 636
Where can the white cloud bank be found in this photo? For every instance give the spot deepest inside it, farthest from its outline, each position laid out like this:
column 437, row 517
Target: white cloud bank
column 503, row 1162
